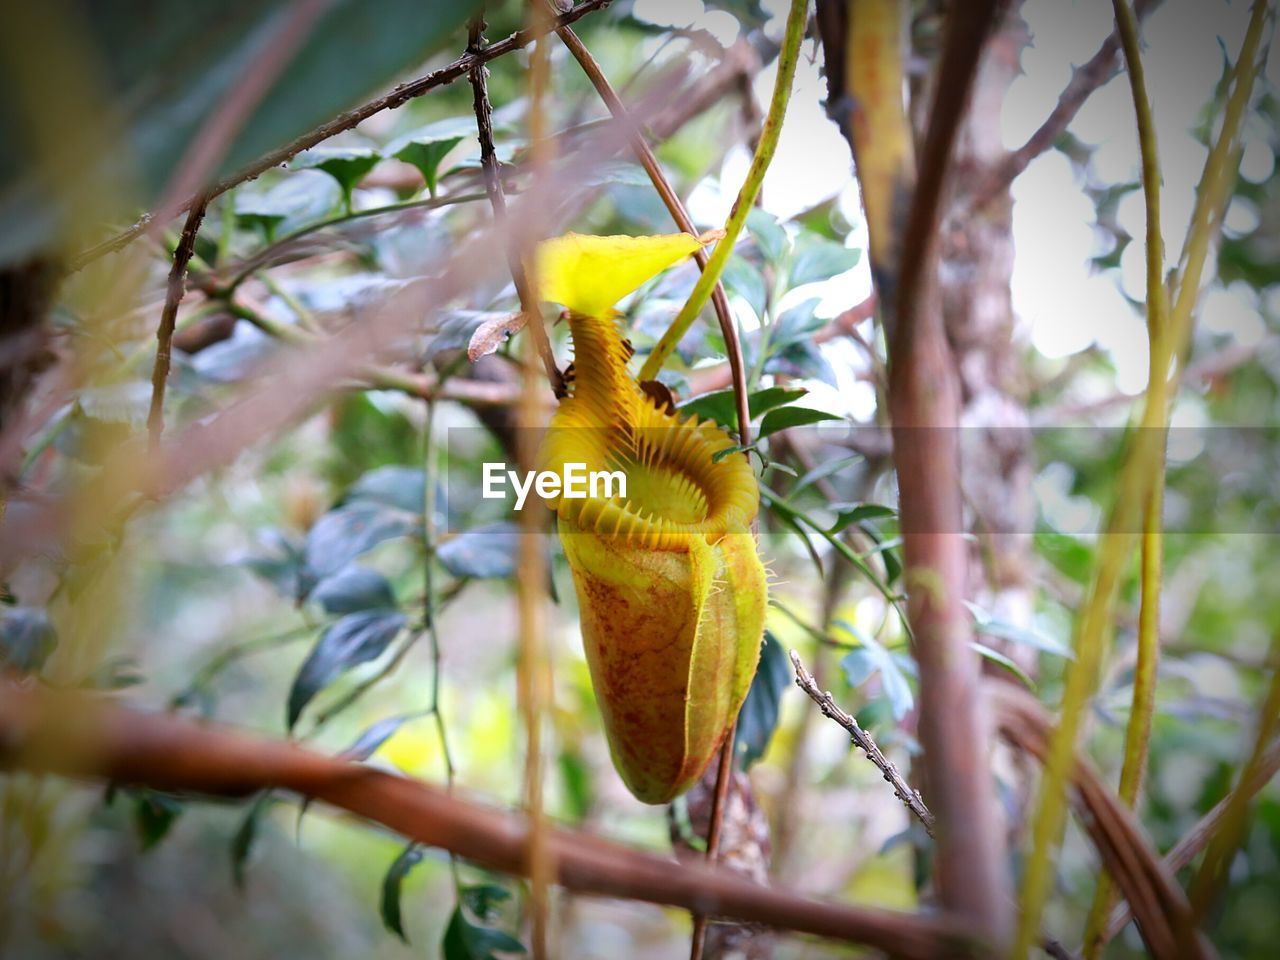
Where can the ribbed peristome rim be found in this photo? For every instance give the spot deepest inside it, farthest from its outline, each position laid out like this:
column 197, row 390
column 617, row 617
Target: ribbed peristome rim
column 608, row 423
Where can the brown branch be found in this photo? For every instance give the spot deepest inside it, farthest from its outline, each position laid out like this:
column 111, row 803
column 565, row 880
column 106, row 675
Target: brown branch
column 77, row 735
column 396, row 98
column 1161, row 906
column 498, row 200
column 719, row 803
column 1085, row 79
column 924, row 395
column 901, row 789
column 671, row 200
column 1195, row 840
column 174, row 293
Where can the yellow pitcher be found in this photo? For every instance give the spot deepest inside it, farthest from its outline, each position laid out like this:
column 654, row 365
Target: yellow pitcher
column 670, row 585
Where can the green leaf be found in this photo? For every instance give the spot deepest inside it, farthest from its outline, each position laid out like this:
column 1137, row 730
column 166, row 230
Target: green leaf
column 347, row 165
column 297, row 199
column 485, row 552
column 126, row 403
column 744, row 279
column 343, row 534
column 237, row 358
column 281, row 565
column 986, row 625
column 871, row 657
column 824, row 470
column 576, row 779
column 355, row 639
column 246, row 836
column 1002, row 661
column 392, row 883
column 372, row 739
column 153, row 814
column 786, row 417
column 464, row 940
column 483, row 900
column 427, row 147
column 156, row 80
column 887, row 548
column 616, row 172
column 770, row 236
column 848, row 514
column 352, row 589
column 759, row 715
column 722, row 408
column 393, row 486
column 801, row 360
column 27, row 638
column 822, row 261
column 796, row 325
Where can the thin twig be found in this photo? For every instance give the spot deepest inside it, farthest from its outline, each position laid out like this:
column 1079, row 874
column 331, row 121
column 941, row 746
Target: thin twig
column 902, row 790
column 396, row 98
column 174, row 293
column 1085, row 79
column 274, row 254
column 671, row 200
column 498, row 200
column 533, row 667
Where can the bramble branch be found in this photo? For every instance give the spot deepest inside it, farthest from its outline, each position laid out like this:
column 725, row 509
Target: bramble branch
column 498, row 200
column 174, row 293
column 1085, row 79
column 902, row 790
column 396, row 98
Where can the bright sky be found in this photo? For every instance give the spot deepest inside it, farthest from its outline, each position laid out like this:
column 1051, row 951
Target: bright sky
column 1062, row 306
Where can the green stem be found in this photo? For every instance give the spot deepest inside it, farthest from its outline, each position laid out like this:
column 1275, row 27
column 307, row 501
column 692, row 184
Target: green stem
column 787, row 59
column 1143, row 470
column 788, row 510
column 306, row 319
column 1138, row 733
column 256, row 263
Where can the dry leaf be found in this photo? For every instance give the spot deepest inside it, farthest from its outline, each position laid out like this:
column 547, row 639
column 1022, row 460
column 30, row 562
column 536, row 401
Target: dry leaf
column 491, row 334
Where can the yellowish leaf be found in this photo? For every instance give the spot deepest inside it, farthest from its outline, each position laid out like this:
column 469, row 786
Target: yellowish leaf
column 590, row 274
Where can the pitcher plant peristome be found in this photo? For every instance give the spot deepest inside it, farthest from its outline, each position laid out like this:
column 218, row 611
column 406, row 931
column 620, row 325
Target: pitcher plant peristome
column 670, row 585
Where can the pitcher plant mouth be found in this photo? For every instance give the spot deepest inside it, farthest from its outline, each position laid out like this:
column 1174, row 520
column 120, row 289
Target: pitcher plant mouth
column 670, row 586
column 680, row 482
